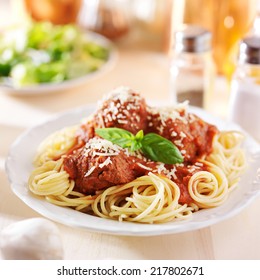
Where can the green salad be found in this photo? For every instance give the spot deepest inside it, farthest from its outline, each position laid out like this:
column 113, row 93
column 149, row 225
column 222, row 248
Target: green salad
column 47, row 53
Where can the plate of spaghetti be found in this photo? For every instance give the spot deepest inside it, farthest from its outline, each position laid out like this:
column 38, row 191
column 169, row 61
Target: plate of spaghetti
column 128, row 168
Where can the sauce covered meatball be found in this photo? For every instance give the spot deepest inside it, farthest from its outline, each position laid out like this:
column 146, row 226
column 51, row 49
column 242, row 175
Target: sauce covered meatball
column 101, row 164
column 122, row 108
column 191, row 135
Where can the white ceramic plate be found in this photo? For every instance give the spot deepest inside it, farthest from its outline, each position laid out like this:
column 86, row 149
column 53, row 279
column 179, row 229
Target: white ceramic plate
column 47, row 88
column 19, row 166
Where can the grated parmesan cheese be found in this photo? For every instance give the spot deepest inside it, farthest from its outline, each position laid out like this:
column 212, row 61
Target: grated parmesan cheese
column 104, row 154
column 101, row 147
column 90, row 171
column 200, row 164
column 122, row 121
column 144, row 167
column 183, row 135
column 161, row 168
column 178, row 143
column 105, row 163
column 171, row 174
column 174, row 133
column 191, row 169
column 122, row 94
column 173, row 112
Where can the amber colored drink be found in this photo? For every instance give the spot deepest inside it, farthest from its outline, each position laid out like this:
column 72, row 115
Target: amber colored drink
column 55, row 11
column 228, row 20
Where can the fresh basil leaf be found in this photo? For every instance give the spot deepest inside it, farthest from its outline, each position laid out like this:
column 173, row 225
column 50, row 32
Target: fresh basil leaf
column 154, row 146
column 158, row 148
column 119, row 136
column 139, row 135
column 136, row 145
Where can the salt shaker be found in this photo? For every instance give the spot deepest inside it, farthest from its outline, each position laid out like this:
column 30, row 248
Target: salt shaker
column 192, row 68
column 244, row 107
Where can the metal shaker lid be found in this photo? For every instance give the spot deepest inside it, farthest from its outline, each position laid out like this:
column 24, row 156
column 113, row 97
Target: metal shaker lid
column 192, row 38
column 249, row 51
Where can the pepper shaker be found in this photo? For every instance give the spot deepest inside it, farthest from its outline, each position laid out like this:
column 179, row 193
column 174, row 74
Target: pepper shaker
column 192, row 69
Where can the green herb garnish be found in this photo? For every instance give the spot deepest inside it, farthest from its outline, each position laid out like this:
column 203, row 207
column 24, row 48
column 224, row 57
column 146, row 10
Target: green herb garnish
column 153, row 146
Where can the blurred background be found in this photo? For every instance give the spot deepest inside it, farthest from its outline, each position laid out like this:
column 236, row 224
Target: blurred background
column 200, row 55
column 147, row 23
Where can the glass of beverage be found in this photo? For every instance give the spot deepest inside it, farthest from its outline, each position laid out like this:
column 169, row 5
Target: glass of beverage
column 228, row 21
column 55, row 11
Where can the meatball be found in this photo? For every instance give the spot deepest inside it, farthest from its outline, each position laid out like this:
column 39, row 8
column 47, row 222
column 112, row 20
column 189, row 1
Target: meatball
column 122, row 108
column 192, row 136
column 92, row 174
column 101, row 164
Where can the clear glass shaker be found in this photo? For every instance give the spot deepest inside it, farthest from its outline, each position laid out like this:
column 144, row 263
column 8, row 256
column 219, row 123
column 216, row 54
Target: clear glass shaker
column 244, row 107
column 192, row 68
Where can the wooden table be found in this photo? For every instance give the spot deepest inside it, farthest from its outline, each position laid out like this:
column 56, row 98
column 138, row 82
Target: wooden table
column 147, row 72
